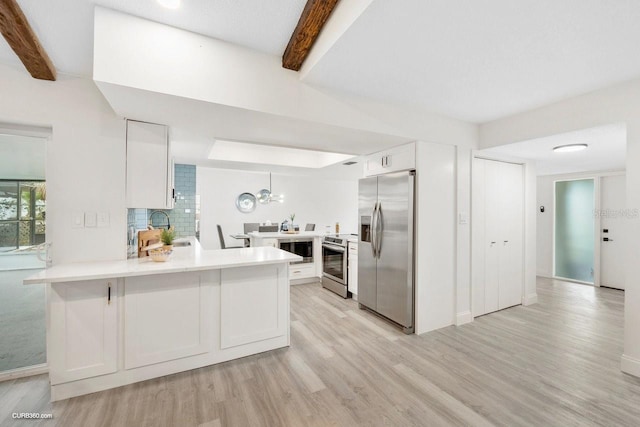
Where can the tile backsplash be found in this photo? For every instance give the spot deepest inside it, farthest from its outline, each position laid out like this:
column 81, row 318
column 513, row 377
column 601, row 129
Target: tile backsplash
column 182, row 216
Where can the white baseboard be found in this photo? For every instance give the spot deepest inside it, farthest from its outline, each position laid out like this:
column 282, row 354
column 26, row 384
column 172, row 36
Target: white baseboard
column 530, row 299
column 24, row 372
column 630, row 365
column 464, row 317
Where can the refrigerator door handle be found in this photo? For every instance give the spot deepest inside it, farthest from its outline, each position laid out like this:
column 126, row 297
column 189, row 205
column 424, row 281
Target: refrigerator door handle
column 379, row 229
column 373, row 230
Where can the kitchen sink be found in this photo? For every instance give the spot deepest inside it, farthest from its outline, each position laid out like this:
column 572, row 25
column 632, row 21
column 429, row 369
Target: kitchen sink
column 182, row 243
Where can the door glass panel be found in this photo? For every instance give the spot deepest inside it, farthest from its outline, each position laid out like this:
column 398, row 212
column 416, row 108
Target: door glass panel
column 574, row 229
column 22, row 226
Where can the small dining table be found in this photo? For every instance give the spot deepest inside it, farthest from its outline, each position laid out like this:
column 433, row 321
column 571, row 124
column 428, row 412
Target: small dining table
column 242, row 236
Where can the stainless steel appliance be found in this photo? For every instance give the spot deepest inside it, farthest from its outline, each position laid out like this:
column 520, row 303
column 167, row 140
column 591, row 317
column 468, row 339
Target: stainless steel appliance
column 334, row 264
column 300, row 246
column 386, row 247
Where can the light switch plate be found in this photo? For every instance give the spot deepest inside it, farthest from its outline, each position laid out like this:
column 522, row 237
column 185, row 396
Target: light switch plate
column 77, row 219
column 90, row 219
column 103, row 219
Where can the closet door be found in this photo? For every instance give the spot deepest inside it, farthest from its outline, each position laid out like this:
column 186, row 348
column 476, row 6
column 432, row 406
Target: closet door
column 497, row 234
column 493, row 230
column 510, row 240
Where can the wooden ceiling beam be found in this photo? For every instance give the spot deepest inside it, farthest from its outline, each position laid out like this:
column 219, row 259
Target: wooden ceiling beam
column 23, row 40
column 312, row 19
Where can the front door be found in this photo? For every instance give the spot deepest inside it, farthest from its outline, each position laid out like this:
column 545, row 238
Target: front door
column 613, row 216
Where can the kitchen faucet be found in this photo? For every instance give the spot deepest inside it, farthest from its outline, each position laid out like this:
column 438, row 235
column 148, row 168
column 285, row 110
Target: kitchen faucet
column 162, row 212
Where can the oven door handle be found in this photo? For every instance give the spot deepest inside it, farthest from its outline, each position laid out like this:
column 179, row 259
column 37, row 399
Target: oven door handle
column 334, row 248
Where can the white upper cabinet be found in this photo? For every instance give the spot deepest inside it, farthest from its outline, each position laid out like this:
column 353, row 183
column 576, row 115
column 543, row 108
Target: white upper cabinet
column 149, row 166
column 395, row 159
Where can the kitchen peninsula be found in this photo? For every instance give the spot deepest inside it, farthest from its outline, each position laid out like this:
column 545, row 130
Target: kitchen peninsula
column 119, row 322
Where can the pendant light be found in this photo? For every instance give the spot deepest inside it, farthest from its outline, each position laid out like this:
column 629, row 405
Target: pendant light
column 265, row 196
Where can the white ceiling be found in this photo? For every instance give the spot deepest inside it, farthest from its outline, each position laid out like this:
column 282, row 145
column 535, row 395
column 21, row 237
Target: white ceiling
column 65, row 27
column 479, row 60
column 473, row 60
column 607, row 151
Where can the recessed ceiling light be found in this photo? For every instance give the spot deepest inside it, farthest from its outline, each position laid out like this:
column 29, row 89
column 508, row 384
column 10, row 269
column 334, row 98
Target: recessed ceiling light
column 569, row 148
column 272, row 155
column 170, row 4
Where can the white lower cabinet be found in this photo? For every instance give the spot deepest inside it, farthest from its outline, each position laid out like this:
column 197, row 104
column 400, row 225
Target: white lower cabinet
column 108, row 333
column 83, row 331
column 253, row 304
column 302, row 271
column 352, row 280
column 167, row 317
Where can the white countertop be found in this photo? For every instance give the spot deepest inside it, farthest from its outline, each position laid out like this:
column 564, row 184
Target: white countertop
column 278, row 235
column 188, row 258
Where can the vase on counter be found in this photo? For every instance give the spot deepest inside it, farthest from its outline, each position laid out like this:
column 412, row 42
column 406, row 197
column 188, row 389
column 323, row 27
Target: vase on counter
column 167, row 247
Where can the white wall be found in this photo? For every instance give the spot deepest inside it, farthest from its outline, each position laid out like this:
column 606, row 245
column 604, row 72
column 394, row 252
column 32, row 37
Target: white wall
column 544, row 221
column 316, row 200
column 619, row 103
column 435, row 258
column 85, row 162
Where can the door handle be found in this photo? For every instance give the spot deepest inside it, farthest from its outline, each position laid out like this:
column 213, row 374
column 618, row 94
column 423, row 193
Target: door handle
column 373, row 230
column 379, row 230
column 606, row 239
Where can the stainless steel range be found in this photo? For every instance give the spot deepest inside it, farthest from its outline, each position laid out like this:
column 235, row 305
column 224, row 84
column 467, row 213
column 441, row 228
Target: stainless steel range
column 334, row 264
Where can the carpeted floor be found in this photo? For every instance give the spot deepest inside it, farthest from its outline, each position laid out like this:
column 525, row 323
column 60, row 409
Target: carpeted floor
column 22, row 321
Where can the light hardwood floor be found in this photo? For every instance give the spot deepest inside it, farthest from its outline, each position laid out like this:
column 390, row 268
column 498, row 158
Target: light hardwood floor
column 555, row 363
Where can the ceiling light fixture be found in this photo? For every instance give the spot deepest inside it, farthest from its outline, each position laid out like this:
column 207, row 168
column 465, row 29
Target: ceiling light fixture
column 265, row 196
column 170, row 4
column 569, row 148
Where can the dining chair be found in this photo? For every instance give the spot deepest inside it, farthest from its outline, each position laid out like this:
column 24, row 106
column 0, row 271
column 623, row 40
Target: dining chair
column 310, row 227
column 268, row 229
column 251, row 226
column 222, row 243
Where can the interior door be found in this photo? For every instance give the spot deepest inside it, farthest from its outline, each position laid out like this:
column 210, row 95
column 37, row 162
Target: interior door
column 612, row 221
column 493, row 226
column 395, row 261
column 367, row 274
column 510, row 231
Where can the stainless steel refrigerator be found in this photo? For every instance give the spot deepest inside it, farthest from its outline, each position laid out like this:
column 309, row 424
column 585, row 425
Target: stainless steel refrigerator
column 386, row 247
